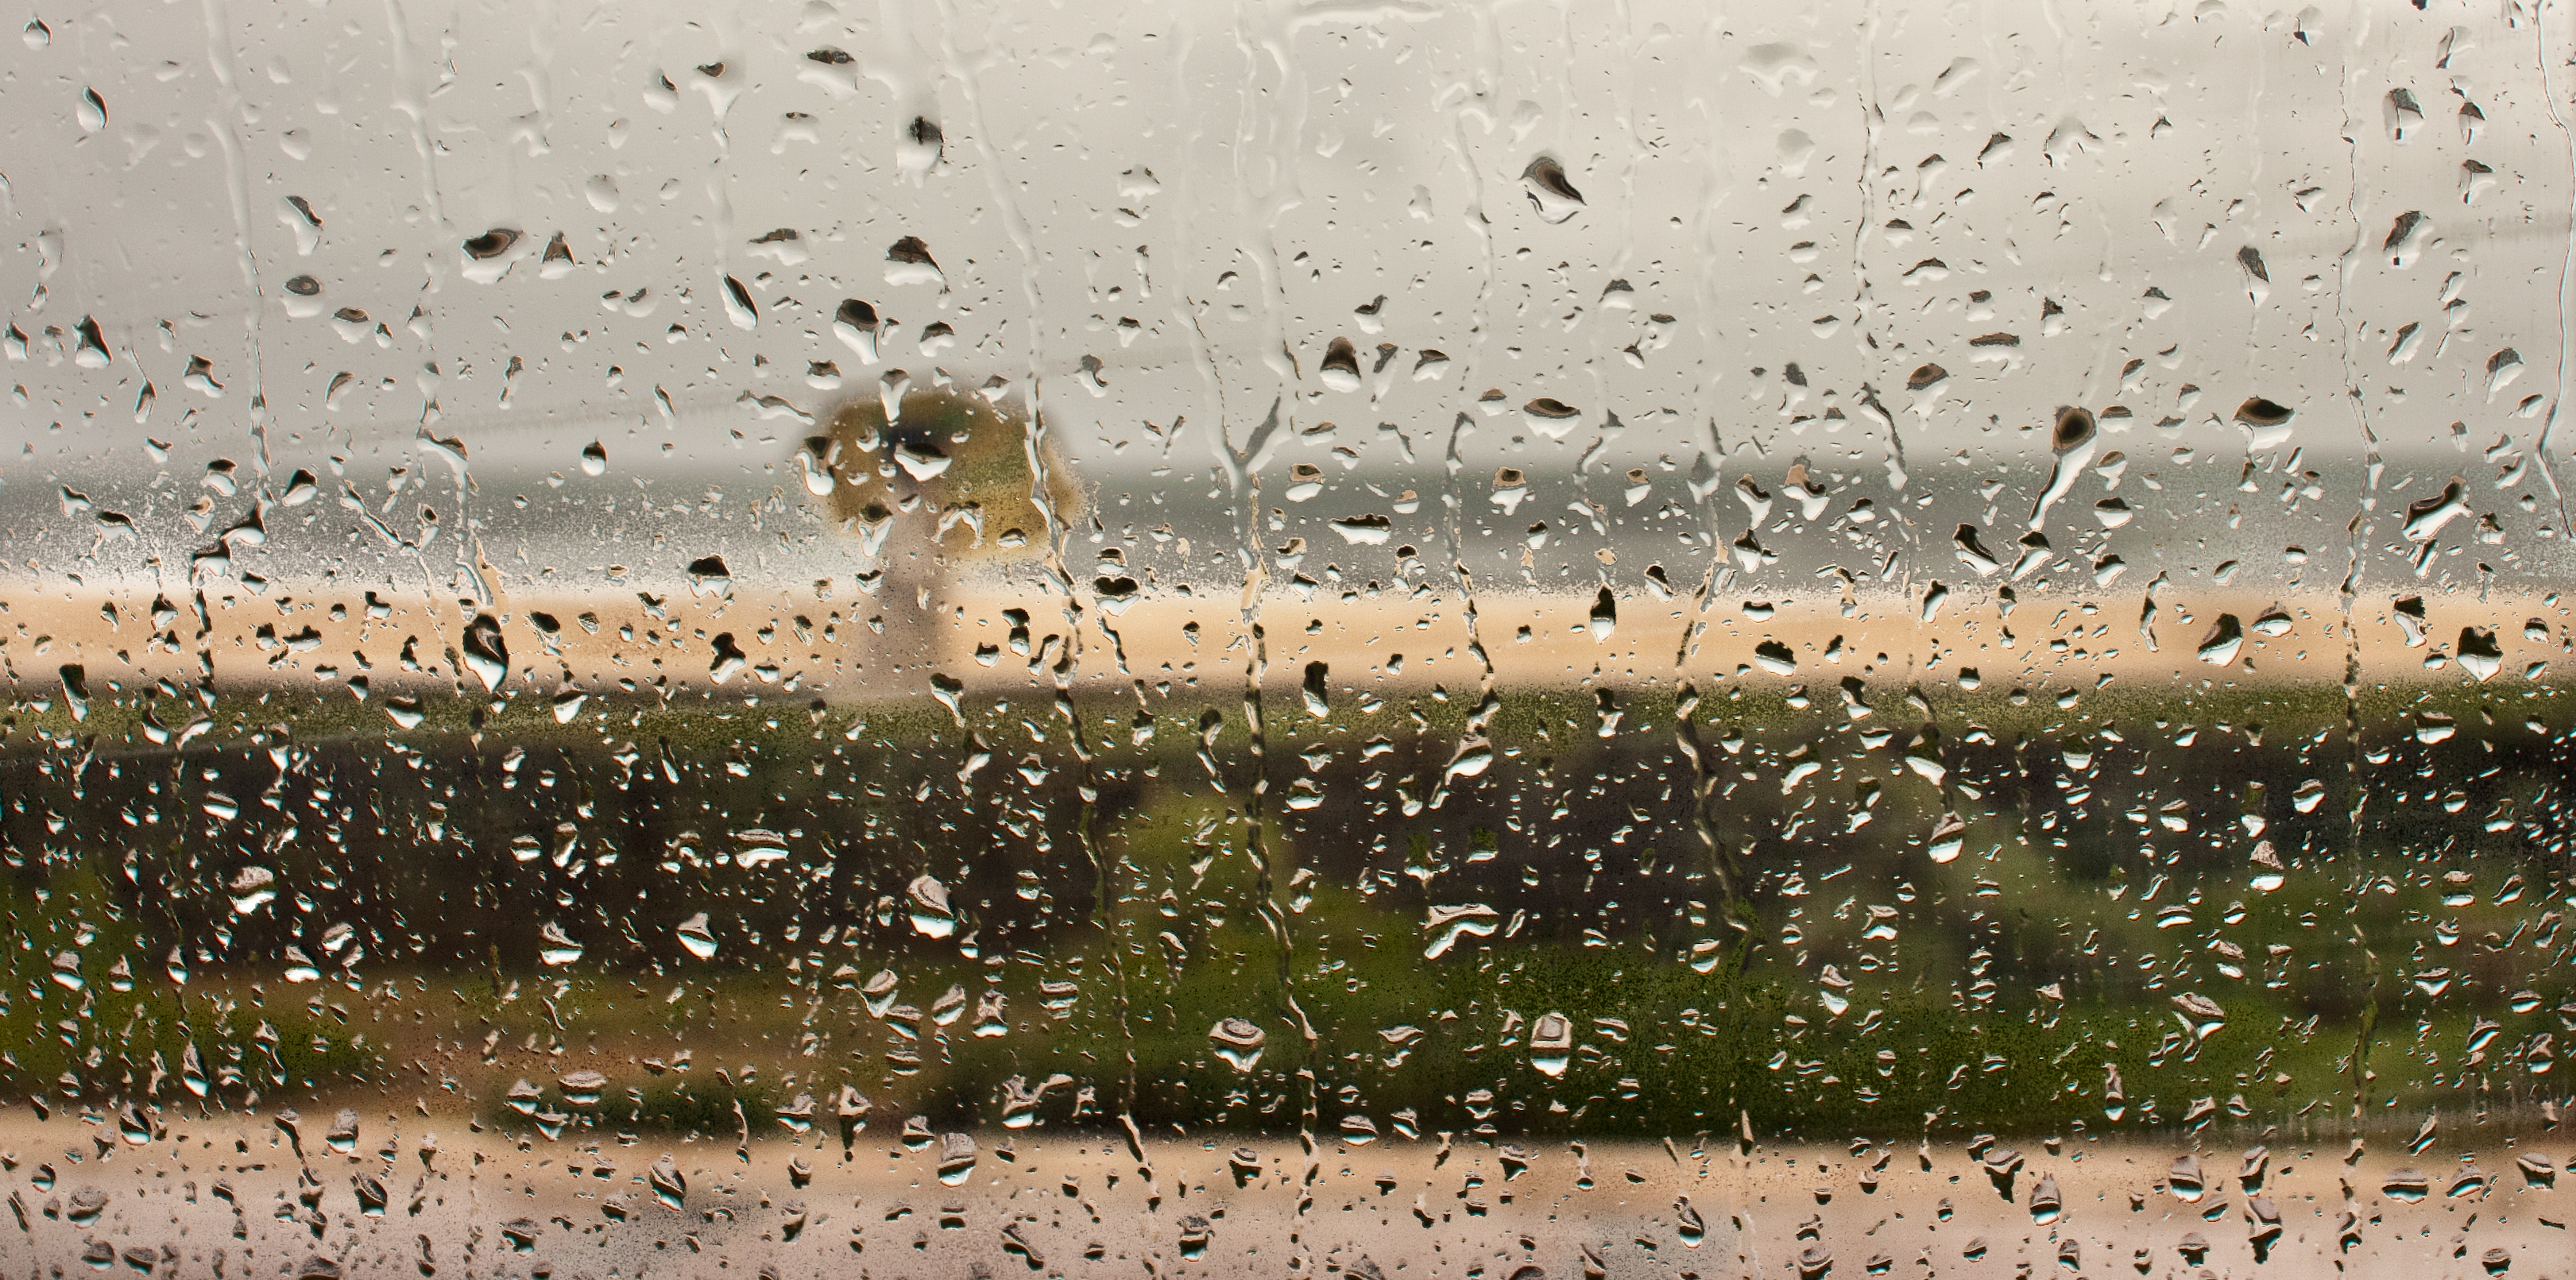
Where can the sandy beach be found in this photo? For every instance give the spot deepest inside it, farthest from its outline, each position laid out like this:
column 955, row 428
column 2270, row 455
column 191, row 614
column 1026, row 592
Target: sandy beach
column 227, row 1194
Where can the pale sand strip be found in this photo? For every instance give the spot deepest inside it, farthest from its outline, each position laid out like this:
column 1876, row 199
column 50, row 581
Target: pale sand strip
column 1410, row 1208
column 2048, row 641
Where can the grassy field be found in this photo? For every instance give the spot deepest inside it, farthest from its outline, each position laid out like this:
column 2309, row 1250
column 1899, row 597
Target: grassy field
column 1771, row 938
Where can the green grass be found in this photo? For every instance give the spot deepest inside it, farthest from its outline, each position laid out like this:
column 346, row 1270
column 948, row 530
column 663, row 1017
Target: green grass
column 449, row 918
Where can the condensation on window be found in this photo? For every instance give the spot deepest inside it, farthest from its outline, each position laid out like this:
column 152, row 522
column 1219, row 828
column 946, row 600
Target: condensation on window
column 1457, row 641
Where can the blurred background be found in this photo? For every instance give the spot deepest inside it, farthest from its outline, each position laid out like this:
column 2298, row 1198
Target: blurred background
column 1730, row 586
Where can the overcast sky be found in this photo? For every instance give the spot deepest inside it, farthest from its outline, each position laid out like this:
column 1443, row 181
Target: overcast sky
column 1875, row 238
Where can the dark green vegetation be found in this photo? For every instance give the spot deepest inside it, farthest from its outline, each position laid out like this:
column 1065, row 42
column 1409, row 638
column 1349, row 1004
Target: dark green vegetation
column 2105, row 864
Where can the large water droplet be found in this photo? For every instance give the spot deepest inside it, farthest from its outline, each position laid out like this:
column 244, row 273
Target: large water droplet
column 1551, row 1043
column 1551, row 417
column 1341, row 368
column 1550, row 193
column 927, row 906
column 487, row 655
column 2226, row 637
column 670, row 1188
column 956, row 1158
column 697, row 937
column 556, row 946
column 1238, row 1041
column 252, row 888
column 919, row 148
column 2478, row 652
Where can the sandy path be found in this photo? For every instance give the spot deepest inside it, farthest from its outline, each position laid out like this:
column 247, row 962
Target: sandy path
column 1404, row 1205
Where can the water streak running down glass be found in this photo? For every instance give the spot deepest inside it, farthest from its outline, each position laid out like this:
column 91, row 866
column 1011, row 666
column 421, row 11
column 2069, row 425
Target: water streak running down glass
column 1482, row 641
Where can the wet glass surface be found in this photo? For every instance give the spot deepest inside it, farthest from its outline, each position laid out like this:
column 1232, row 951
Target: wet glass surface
column 932, row 640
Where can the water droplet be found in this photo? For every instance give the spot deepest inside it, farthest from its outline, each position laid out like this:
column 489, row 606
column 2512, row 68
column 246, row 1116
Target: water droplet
column 2045, row 1203
column 920, row 459
column 1551, row 1043
column 1446, row 924
column 1239, row 1041
column 855, row 324
column 557, row 947
column 2200, row 1014
column 1605, row 615
column 342, row 1136
column 670, row 1189
column 1364, row 530
column 252, row 888
column 2073, row 440
column 487, row 655
column 2478, row 652
column 928, row 909
column 1551, row 417
column 1550, row 193
column 919, row 149
column 908, row 262
column 739, row 307
column 2226, row 637
column 956, row 1158
column 1341, row 367
column 708, row 576
column 489, row 255
column 582, row 1088
column 697, row 937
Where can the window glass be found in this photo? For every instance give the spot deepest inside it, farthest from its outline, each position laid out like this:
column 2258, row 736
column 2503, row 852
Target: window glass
column 1475, row 641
